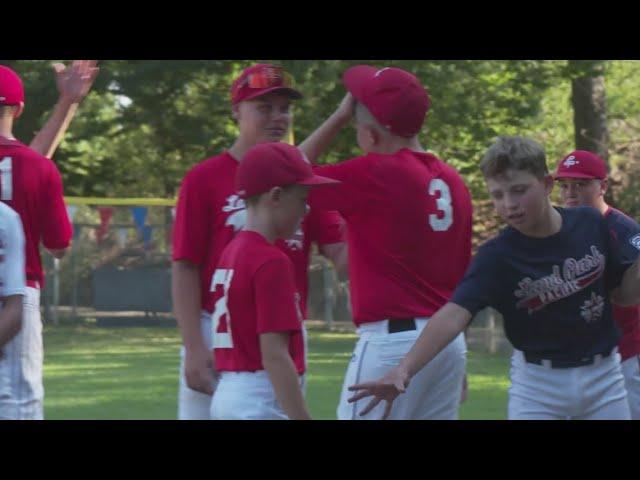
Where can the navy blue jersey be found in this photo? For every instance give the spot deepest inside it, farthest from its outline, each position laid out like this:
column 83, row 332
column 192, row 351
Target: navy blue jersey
column 626, row 234
column 553, row 292
column 624, row 230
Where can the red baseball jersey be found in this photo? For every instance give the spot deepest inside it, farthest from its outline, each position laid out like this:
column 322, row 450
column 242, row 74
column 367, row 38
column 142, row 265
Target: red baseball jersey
column 210, row 213
column 255, row 293
column 32, row 186
column 408, row 218
column 321, row 226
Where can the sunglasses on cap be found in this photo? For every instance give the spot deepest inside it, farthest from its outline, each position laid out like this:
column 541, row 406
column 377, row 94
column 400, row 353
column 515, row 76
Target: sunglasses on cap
column 267, row 78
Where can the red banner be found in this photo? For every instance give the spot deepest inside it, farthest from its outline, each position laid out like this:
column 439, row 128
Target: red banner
column 106, row 213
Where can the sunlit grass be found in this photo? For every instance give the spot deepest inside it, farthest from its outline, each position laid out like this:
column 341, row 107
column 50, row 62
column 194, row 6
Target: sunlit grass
column 132, row 373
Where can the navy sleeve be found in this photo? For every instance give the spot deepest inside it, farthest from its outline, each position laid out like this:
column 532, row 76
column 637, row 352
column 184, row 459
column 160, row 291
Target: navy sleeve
column 477, row 289
column 623, row 236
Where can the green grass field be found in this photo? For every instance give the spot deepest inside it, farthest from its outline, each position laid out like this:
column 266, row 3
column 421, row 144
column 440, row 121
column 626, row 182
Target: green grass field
column 132, row 373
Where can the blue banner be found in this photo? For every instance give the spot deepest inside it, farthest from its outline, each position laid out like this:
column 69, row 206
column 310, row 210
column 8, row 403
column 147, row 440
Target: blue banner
column 146, row 235
column 139, row 217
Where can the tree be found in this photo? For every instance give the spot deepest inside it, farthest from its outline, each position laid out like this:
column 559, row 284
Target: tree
column 146, row 122
column 588, row 98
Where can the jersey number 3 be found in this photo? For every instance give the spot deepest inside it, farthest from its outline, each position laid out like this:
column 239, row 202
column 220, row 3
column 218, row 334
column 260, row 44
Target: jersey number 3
column 223, row 278
column 6, row 180
column 441, row 223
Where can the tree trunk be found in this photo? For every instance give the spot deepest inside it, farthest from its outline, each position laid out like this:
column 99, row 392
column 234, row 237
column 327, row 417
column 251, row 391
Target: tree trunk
column 588, row 98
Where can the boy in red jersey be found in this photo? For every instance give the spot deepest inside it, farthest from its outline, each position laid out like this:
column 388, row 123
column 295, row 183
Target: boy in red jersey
column 257, row 321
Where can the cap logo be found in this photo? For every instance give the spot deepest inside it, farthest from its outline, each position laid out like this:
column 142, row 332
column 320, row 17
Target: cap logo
column 379, row 72
column 570, row 161
column 635, row 241
column 2, row 99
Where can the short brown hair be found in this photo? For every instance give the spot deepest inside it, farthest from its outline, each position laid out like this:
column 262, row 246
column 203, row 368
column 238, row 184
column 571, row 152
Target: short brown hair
column 514, row 153
column 7, row 110
column 253, row 201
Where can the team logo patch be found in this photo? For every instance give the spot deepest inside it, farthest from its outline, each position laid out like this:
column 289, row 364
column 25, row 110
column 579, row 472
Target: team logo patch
column 591, row 310
column 573, row 275
column 571, row 161
column 635, row 241
column 236, row 209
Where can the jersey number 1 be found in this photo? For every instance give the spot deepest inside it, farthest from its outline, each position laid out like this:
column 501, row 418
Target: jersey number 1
column 443, row 203
column 6, row 179
column 221, row 339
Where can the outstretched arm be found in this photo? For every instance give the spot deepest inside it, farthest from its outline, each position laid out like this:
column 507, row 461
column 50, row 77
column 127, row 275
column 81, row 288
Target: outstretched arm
column 74, row 82
column 442, row 328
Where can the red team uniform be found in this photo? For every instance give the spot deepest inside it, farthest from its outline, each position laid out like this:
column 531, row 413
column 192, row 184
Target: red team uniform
column 258, row 267
column 408, row 218
column 208, row 216
column 408, row 249
column 210, row 213
column 263, row 298
column 255, row 289
column 31, row 185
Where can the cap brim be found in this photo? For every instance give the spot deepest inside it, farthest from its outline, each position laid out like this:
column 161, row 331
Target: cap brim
column 290, row 92
column 356, row 77
column 318, row 181
column 583, row 176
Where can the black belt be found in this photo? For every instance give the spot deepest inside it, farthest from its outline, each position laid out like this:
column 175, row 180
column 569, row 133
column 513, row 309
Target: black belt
column 573, row 363
column 396, row 325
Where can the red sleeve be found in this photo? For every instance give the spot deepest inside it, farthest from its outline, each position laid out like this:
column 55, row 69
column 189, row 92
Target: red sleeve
column 276, row 297
column 192, row 221
column 56, row 227
column 325, row 227
column 345, row 197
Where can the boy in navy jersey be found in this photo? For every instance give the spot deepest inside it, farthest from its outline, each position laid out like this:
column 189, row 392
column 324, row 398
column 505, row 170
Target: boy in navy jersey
column 551, row 273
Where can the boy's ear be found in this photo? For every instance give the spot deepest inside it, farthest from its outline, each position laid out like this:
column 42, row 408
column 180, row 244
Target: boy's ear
column 18, row 111
column 549, row 183
column 373, row 137
column 275, row 194
column 604, row 185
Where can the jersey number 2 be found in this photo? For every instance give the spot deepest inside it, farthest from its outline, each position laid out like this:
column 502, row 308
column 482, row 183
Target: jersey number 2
column 6, row 179
column 443, row 203
column 221, row 339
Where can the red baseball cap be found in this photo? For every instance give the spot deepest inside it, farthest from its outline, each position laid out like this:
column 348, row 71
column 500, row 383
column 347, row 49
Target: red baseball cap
column 581, row 164
column 261, row 79
column 277, row 164
column 394, row 97
column 11, row 89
